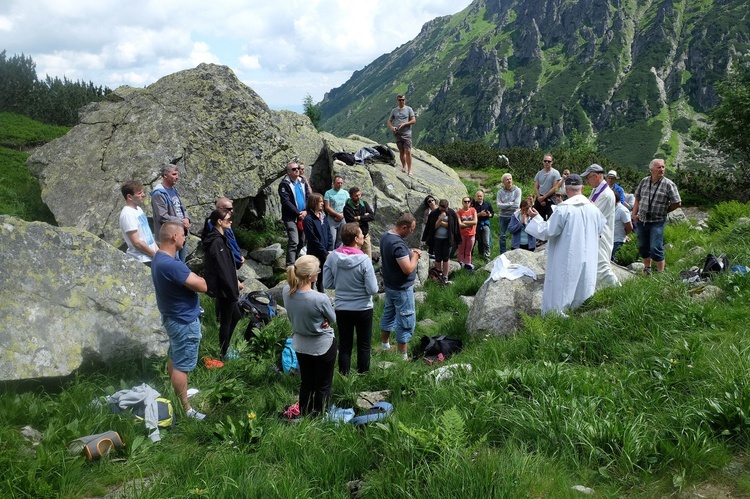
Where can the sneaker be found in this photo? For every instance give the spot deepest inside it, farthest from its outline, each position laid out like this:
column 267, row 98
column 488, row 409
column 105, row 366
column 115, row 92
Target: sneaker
column 212, row 363
column 647, row 271
column 232, row 354
column 385, row 347
column 193, row 414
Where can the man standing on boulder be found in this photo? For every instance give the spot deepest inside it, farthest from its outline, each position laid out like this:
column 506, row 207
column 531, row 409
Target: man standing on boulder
column 603, row 198
column 400, row 122
column 655, row 196
column 545, row 184
column 177, row 298
column 399, row 270
column 134, row 224
column 293, row 192
column 573, row 251
column 335, row 199
column 357, row 210
column 167, row 204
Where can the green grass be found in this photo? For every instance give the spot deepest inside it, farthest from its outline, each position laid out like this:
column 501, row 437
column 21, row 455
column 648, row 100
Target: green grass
column 17, row 131
column 642, row 392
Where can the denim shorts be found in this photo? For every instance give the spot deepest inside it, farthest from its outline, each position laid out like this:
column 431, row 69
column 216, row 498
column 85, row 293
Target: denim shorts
column 651, row 240
column 399, row 313
column 184, row 340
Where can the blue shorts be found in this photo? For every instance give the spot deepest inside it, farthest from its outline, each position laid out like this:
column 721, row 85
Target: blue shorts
column 399, row 313
column 651, row 240
column 184, row 340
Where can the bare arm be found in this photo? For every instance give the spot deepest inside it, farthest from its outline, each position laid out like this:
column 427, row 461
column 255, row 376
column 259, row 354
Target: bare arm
column 196, row 283
column 628, row 227
column 139, row 244
column 634, row 215
column 674, row 206
column 409, row 265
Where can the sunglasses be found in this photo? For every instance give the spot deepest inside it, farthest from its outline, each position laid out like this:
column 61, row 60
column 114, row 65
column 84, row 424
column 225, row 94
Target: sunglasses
column 548, row 161
column 401, row 100
column 467, row 200
column 293, row 169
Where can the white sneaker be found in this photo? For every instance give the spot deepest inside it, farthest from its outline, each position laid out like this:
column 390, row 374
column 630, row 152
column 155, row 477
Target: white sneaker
column 385, row 346
column 192, row 413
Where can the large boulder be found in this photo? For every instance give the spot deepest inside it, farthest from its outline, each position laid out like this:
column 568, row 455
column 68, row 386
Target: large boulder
column 66, row 297
column 388, row 191
column 498, row 305
column 219, row 132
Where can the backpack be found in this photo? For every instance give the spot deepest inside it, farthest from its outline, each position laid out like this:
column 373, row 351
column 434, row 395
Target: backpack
column 260, row 307
column 436, row 275
column 714, row 265
column 437, row 345
column 289, row 362
column 345, row 157
column 138, row 412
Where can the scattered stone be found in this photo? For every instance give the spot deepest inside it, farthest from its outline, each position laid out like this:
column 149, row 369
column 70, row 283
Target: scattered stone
column 446, row 372
column 468, row 300
column 32, row 435
column 706, row 293
column 584, row 490
column 268, row 255
column 365, row 400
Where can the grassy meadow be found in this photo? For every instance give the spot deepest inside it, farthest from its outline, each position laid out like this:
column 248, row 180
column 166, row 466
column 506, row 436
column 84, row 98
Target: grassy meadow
column 643, row 392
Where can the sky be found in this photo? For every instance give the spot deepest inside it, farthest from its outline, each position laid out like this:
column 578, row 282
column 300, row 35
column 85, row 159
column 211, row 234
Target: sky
column 282, row 49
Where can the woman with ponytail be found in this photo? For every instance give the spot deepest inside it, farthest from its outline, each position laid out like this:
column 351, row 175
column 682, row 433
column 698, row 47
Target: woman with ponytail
column 311, row 315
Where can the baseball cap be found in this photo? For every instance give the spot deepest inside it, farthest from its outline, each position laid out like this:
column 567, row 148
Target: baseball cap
column 592, row 169
column 612, row 173
column 574, row 179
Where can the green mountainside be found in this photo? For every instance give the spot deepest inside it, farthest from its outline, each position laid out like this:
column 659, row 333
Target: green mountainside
column 635, row 74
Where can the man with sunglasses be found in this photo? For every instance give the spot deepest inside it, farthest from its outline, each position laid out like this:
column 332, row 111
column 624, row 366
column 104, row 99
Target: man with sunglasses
column 293, row 192
column 545, row 185
column 400, row 122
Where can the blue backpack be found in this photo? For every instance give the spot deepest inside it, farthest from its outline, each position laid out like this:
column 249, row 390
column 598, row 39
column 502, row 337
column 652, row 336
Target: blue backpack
column 289, row 362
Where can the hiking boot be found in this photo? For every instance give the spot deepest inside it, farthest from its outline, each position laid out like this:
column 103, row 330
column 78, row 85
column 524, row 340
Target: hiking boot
column 446, row 281
column 647, row 271
column 232, row 354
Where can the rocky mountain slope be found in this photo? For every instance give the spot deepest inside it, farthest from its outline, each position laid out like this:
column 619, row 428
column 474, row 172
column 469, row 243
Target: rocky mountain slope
column 634, row 74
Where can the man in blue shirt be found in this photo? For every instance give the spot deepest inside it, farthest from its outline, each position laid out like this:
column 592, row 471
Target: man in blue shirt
column 619, row 192
column 177, row 291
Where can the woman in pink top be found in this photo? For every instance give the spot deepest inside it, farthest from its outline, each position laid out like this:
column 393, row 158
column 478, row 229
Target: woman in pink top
column 467, row 221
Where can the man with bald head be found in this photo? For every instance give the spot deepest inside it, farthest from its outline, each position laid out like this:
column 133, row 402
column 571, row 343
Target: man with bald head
column 176, row 289
column 655, row 196
column 225, row 204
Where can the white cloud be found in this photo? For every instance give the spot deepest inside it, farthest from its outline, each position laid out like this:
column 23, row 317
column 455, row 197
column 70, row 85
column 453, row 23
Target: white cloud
column 283, row 49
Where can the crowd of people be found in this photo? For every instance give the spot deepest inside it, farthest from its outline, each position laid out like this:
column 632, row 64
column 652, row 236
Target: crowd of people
column 329, row 247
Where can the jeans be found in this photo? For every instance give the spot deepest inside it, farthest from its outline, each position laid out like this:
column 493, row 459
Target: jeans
column 316, row 378
column 651, row 240
column 484, row 240
column 616, row 247
column 504, row 223
column 295, row 242
column 184, row 340
column 335, row 229
column 399, row 313
column 348, row 321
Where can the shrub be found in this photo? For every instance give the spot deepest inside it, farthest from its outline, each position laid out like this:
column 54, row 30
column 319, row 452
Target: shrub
column 725, row 214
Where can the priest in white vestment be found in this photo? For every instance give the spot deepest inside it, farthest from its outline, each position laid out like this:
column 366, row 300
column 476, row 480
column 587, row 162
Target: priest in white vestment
column 603, row 198
column 572, row 251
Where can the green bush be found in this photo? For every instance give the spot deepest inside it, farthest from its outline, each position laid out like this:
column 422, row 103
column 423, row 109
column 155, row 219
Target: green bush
column 20, row 194
column 260, row 233
column 724, row 215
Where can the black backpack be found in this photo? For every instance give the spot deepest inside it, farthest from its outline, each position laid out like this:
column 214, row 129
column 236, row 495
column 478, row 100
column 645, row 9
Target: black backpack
column 346, row 157
column 713, row 265
column 260, row 307
column 445, row 345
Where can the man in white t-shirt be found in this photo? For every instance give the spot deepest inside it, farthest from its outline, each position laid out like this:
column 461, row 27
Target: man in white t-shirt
column 134, row 224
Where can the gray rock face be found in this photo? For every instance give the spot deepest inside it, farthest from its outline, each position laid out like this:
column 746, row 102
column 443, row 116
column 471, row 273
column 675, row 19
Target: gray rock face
column 67, row 296
column 225, row 141
column 388, row 191
column 230, row 144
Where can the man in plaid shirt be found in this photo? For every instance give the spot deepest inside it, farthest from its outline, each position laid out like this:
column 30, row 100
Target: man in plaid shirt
column 655, row 196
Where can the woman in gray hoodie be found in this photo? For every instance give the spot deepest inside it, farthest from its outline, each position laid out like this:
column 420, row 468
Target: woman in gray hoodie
column 349, row 271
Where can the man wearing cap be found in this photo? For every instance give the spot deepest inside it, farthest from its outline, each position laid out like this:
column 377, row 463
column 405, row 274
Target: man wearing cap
column 655, row 196
column 619, row 192
column 545, row 183
column 573, row 251
column 604, row 199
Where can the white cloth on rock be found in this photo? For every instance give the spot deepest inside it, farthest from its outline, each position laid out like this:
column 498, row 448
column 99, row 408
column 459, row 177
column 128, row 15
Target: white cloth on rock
column 572, row 253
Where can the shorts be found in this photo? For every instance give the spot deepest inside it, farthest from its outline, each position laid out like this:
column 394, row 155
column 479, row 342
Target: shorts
column 442, row 250
column 184, row 340
column 399, row 313
column 403, row 141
